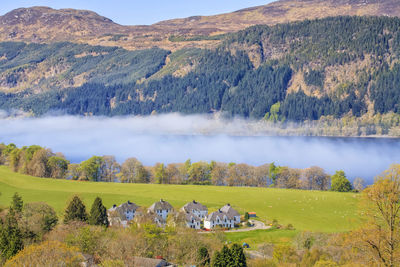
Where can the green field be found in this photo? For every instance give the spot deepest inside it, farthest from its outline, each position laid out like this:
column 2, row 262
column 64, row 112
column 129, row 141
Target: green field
column 306, row 210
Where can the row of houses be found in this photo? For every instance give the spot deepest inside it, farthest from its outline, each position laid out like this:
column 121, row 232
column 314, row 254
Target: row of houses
column 195, row 215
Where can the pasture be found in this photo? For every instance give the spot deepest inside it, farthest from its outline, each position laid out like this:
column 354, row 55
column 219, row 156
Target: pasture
column 305, row 210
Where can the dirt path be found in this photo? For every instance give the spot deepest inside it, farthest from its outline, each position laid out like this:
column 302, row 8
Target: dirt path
column 257, row 226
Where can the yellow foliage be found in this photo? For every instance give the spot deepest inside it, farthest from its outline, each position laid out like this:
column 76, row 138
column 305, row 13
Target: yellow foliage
column 47, row 254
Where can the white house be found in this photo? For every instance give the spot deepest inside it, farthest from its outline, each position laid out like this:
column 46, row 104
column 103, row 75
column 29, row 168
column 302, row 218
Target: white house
column 161, row 208
column 122, row 214
column 219, row 218
column 196, row 208
column 231, row 212
column 192, row 220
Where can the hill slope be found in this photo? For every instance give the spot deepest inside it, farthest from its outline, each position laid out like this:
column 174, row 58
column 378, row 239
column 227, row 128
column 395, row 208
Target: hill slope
column 306, row 210
column 42, row 24
column 342, row 66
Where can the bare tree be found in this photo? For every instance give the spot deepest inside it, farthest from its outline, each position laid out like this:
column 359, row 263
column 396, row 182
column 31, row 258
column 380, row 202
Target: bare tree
column 315, row 178
column 359, row 184
column 379, row 239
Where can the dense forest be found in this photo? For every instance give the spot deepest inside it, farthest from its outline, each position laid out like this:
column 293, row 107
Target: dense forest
column 307, row 70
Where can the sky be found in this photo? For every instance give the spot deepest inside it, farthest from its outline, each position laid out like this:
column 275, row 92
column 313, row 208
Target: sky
column 139, row 12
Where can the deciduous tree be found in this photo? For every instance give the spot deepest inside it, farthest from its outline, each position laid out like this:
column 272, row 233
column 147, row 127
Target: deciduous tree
column 379, row 239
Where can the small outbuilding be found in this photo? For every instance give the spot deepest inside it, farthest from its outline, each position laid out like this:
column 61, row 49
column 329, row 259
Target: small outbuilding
column 252, row 214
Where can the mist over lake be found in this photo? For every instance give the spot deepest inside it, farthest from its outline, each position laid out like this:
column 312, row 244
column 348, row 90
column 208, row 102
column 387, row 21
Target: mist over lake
column 175, row 138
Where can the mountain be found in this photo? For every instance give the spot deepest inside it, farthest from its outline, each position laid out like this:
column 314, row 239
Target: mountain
column 44, row 25
column 336, row 71
column 322, row 69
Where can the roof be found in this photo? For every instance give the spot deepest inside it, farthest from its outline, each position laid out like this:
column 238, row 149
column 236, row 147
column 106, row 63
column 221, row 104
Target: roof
column 193, row 205
column 219, row 213
column 124, row 207
column 229, row 210
column 190, row 216
column 160, row 205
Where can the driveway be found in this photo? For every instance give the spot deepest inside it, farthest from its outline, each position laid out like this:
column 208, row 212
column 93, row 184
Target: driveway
column 257, row 226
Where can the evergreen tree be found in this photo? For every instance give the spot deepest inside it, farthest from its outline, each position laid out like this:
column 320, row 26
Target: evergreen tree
column 76, row 211
column 10, row 236
column 98, row 213
column 340, row 183
column 226, row 256
column 239, row 259
column 203, row 258
column 217, row 260
column 17, row 203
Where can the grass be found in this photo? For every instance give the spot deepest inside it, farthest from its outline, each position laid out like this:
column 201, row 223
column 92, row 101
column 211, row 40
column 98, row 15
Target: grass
column 275, row 236
column 307, row 210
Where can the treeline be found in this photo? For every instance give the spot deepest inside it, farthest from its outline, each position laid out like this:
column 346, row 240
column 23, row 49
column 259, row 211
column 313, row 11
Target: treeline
column 246, row 76
column 41, row 162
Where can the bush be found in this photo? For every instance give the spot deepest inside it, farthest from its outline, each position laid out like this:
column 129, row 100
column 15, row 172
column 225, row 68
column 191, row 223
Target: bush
column 49, row 253
column 38, row 219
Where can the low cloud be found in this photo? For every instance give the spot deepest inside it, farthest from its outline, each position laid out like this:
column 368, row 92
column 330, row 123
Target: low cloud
column 175, row 138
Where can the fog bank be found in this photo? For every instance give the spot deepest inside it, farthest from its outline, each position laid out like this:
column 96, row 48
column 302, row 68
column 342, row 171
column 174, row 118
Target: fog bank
column 175, row 138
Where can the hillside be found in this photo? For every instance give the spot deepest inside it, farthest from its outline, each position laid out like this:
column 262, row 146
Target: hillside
column 43, row 24
column 307, row 210
column 311, row 70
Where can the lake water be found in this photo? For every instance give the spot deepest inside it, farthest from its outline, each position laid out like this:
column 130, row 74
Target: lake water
column 178, row 139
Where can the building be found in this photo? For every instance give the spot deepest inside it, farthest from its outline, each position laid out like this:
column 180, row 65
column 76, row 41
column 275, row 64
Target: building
column 192, row 220
column 252, row 215
column 231, row 212
column 161, row 208
column 122, row 214
column 219, row 218
column 196, row 208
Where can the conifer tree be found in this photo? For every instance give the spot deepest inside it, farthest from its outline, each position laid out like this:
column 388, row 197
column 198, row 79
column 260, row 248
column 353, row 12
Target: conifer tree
column 203, row 257
column 10, row 236
column 239, row 259
column 17, row 203
column 76, row 211
column 98, row 213
column 226, row 255
column 217, row 260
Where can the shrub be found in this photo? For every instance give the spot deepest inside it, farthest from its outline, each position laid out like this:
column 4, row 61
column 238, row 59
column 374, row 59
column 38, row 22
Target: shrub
column 49, row 253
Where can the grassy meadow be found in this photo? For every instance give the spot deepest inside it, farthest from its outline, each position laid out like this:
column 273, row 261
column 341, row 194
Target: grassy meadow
column 306, row 210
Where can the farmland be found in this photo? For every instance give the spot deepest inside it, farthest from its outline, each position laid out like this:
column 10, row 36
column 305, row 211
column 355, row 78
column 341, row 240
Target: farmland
column 306, row 210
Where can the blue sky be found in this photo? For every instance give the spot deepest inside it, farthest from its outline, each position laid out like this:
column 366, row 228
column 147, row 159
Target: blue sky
column 135, row 12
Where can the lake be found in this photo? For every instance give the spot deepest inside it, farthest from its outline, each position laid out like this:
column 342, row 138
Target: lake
column 175, row 138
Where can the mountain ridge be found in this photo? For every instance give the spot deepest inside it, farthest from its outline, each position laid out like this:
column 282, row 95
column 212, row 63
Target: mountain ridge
column 45, row 25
